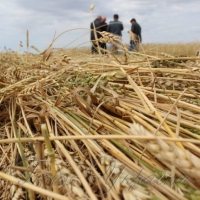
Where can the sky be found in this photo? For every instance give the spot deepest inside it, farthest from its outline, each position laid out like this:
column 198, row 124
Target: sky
column 162, row 21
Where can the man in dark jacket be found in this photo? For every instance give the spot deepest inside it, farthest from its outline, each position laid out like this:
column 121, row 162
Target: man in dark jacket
column 136, row 37
column 98, row 26
column 115, row 27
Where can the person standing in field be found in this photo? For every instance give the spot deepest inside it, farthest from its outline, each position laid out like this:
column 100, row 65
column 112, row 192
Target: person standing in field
column 135, row 34
column 104, row 28
column 97, row 24
column 115, row 27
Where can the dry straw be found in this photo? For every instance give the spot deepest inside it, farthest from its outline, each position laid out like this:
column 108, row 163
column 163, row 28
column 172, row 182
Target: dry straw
column 109, row 119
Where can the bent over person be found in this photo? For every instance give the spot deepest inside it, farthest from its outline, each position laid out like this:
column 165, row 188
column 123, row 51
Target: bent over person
column 135, row 34
column 98, row 26
column 115, row 27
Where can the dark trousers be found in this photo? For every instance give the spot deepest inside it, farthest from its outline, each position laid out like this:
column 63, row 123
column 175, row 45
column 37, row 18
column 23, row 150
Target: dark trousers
column 103, row 48
column 134, row 45
column 94, row 48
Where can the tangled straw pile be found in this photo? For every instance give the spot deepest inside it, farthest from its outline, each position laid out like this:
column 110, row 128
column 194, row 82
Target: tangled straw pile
column 140, row 114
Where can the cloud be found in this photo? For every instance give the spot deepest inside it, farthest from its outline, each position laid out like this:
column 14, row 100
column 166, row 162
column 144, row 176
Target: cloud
column 161, row 21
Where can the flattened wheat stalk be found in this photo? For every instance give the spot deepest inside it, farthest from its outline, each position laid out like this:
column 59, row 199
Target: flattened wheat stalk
column 122, row 181
column 10, row 190
column 68, row 183
column 34, row 188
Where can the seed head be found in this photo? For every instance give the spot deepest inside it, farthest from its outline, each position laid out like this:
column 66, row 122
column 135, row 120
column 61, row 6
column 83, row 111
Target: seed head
column 92, row 6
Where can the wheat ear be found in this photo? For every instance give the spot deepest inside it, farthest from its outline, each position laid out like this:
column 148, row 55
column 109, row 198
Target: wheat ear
column 122, row 181
column 183, row 160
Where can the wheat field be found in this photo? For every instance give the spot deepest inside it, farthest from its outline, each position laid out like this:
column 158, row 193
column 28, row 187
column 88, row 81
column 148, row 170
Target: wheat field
column 79, row 126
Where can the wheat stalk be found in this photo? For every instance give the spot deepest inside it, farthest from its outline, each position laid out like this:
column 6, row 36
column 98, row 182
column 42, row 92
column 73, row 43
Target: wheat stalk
column 27, row 40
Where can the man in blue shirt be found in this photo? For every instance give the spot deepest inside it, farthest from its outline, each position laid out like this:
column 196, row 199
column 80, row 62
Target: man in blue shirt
column 115, row 27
